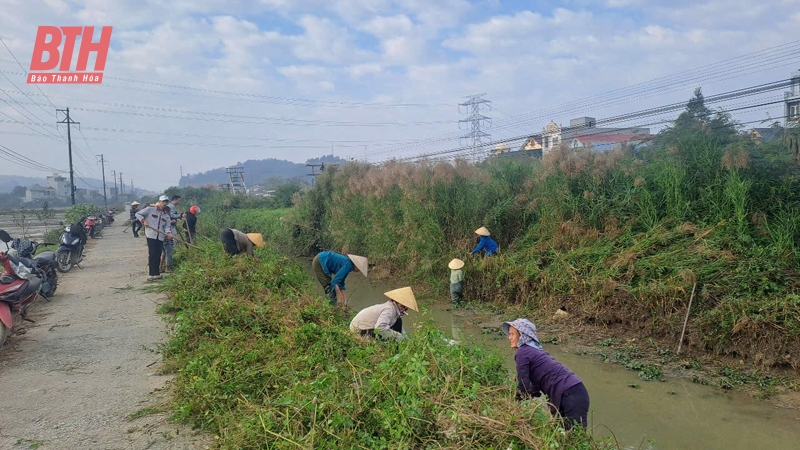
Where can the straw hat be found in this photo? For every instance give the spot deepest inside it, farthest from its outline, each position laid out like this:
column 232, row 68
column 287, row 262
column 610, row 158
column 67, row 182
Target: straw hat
column 482, row 231
column 360, row 262
column 404, row 296
column 256, row 239
column 135, row 203
column 456, row 264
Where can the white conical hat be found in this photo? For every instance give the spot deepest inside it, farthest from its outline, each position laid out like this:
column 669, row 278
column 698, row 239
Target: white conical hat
column 360, row 262
column 456, row 264
column 404, row 296
column 134, row 203
column 482, row 231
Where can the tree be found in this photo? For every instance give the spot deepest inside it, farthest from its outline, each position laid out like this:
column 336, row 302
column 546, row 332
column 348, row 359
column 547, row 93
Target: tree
column 19, row 191
column 284, row 193
column 45, row 215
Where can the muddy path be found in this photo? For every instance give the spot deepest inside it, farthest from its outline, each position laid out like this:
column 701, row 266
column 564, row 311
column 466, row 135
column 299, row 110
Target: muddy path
column 86, row 374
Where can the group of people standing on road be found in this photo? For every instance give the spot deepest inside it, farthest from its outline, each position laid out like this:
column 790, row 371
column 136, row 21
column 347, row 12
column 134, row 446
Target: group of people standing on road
column 159, row 221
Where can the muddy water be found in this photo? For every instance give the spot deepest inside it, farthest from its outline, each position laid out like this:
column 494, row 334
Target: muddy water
column 676, row 414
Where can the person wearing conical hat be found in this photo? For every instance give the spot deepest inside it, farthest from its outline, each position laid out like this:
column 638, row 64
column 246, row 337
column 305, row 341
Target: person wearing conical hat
column 236, row 242
column 456, row 281
column 332, row 268
column 485, row 243
column 385, row 320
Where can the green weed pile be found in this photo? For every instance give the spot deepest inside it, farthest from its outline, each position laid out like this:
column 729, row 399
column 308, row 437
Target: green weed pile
column 263, row 363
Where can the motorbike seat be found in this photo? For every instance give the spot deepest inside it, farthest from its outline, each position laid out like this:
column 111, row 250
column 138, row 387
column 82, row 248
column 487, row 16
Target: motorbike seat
column 29, row 288
column 45, row 257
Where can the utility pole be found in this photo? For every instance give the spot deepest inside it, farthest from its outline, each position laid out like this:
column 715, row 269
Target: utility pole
column 116, row 192
column 475, row 120
column 121, row 187
column 69, row 121
column 132, row 191
column 103, row 165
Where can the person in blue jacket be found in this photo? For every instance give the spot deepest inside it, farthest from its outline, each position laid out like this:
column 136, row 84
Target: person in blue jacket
column 486, row 243
column 332, row 268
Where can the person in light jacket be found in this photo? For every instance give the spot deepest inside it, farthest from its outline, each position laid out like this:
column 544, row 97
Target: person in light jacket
column 385, row 320
column 156, row 222
column 538, row 372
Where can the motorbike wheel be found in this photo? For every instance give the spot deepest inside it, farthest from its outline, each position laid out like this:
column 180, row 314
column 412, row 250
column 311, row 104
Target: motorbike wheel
column 64, row 261
column 3, row 333
column 53, row 280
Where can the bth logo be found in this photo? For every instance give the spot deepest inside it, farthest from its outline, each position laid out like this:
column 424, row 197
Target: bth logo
column 68, row 35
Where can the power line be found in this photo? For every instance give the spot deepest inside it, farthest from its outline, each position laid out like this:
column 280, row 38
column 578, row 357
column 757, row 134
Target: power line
column 718, row 71
column 597, row 132
column 24, row 161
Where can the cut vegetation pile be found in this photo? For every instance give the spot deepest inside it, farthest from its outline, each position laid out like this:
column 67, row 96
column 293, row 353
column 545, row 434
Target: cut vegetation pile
column 263, row 363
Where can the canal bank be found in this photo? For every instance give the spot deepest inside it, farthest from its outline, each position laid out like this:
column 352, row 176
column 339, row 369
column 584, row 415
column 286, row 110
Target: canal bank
column 672, row 414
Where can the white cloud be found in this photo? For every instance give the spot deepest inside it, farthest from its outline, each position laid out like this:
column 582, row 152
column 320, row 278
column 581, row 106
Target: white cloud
column 359, row 70
column 387, row 27
column 325, row 41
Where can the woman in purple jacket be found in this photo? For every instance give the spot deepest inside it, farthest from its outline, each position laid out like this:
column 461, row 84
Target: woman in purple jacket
column 538, row 372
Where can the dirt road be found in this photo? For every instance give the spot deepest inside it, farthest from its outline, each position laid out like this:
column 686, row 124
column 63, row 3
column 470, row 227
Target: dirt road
column 90, row 362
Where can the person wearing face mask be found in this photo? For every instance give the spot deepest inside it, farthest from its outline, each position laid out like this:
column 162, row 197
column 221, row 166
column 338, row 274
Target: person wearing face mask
column 385, row 320
column 538, row 372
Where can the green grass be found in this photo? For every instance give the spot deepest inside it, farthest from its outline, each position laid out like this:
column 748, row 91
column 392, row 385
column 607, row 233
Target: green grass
column 260, row 362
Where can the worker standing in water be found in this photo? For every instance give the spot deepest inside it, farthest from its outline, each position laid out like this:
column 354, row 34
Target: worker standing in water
column 456, row 281
column 486, row 243
column 331, row 269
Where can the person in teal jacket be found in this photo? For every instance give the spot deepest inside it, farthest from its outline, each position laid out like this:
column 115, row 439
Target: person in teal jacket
column 332, row 268
column 486, row 243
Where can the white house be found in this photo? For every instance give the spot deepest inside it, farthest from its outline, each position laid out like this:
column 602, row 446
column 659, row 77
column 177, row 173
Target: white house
column 37, row 192
column 60, row 185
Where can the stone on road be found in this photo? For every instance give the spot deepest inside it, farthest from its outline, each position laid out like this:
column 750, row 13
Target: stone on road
column 86, row 374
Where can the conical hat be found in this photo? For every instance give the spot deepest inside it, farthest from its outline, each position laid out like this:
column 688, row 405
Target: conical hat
column 360, row 262
column 404, row 296
column 482, row 231
column 256, row 239
column 134, row 203
column 456, row 264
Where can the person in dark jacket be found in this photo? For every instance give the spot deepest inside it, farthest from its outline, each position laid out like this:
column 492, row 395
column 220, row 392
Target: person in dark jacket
column 136, row 224
column 486, row 243
column 538, row 372
column 190, row 224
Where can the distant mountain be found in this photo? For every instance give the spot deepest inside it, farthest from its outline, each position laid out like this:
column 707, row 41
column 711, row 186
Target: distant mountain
column 9, row 182
column 257, row 170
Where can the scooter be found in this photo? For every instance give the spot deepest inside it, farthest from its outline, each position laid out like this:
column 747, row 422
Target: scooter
column 70, row 252
column 91, row 226
column 18, row 289
column 44, row 265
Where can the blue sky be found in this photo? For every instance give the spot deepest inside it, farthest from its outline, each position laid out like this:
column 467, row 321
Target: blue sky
column 309, row 65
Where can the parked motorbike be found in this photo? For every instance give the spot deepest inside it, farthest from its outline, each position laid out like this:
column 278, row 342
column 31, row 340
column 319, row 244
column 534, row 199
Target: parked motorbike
column 18, row 289
column 70, row 250
column 91, row 226
column 109, row 217
column 43, row 265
